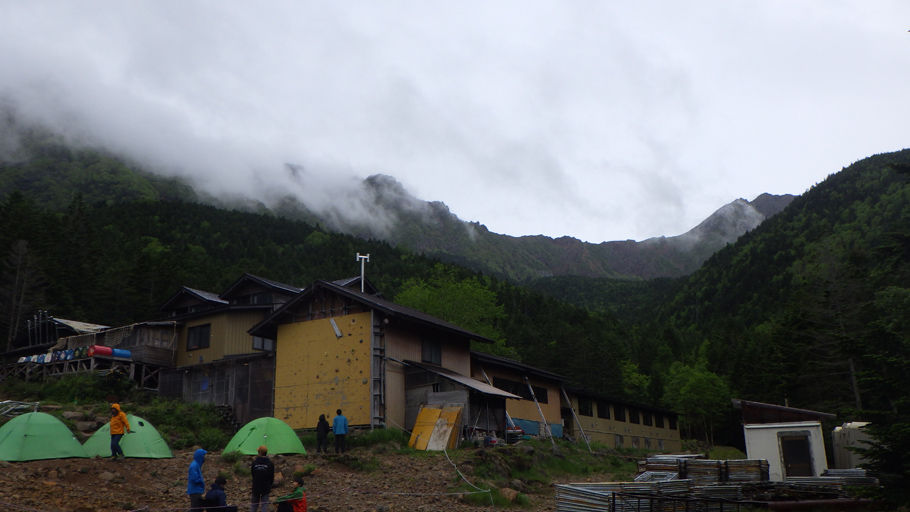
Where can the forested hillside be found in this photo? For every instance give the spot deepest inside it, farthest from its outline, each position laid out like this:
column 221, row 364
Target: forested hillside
column 810, row 308
column 117, row 264
column 52, row 169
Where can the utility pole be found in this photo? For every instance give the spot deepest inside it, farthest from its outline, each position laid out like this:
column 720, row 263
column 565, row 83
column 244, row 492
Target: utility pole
column 363, row 259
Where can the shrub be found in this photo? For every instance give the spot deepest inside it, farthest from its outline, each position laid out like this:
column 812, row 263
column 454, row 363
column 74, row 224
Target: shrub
column 231, row 457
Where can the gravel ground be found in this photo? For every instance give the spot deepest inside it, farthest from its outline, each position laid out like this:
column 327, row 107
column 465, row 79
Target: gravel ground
column 393, row 482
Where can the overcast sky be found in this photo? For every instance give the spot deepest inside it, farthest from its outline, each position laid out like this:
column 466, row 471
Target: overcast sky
column 602, row 120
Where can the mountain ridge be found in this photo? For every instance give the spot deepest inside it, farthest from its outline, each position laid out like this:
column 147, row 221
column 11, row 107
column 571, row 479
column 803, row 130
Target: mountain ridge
column 55, row 170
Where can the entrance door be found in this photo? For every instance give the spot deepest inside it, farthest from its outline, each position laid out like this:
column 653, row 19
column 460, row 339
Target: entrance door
column 797, row 457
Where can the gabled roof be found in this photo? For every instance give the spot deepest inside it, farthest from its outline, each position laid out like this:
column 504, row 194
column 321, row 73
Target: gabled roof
column 200, row 295
column 268, row 328
column 515, row 365
column 350, row 282
column 267, row 283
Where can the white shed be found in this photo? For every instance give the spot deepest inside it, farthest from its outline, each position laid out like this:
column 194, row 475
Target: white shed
column 791, row 448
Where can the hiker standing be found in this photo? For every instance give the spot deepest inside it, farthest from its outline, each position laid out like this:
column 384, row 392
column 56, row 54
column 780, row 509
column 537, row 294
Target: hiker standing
column 263, row 472
column 119, row 425
column 322, row 434
column 195, row 484
column 340, row 429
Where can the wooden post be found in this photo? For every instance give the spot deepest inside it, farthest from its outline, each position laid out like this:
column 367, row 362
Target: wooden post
column 546, row 424
column 508, row 418
column 577, row 421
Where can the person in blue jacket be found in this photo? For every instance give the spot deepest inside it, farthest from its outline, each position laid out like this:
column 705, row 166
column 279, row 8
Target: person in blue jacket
column 340, row 429
column 195, row 484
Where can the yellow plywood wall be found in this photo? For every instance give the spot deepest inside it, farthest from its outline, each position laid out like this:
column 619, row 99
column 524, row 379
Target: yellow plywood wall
column 317, row 372
column 228, row 336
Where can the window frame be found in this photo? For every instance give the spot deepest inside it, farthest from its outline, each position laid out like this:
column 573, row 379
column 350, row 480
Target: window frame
column 197, row 341
column 431, row 352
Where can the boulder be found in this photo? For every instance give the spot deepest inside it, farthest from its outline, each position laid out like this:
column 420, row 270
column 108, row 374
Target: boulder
column 509, row 494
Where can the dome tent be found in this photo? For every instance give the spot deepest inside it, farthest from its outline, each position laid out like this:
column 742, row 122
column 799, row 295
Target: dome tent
column 275, row 434
column 145, row 442
column 35, row 436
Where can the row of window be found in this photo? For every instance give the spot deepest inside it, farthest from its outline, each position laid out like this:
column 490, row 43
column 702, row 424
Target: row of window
column 521, row 389
column 647, row 418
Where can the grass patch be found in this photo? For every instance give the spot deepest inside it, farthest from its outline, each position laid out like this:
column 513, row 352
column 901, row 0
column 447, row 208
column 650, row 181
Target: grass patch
column 365, row 464
column 725, row 453
column 378, row 436
column 305, row 471
column 181, row 424
column 232, row 457
column 534, row 462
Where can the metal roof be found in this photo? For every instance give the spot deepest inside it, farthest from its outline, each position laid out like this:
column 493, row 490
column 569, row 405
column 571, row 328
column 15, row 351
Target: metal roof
column 476, row 385
column 267, row 328
column 515, row 365
column 293, row 290
column 80, row 327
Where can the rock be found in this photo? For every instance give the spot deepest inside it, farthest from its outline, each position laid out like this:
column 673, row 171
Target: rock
column 72, row 415
column 107, row 476
column 102, row 419
column 85, row 426
column 509, row 494
column 518, row 485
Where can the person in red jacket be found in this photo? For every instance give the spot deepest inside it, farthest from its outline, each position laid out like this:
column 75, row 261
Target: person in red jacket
column 294, row 502
column 119, row 425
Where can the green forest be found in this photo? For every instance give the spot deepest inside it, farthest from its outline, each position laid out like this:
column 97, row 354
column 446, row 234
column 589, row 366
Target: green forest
column 812, row 308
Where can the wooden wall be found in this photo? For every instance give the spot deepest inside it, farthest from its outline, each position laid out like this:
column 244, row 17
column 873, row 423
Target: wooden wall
column 317, row 372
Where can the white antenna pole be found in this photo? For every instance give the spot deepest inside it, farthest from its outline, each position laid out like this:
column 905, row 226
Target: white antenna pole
column 363, row 259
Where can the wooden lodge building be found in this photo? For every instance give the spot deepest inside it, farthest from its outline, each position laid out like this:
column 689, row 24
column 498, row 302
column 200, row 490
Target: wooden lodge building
column 338, row 347
column 264, row 348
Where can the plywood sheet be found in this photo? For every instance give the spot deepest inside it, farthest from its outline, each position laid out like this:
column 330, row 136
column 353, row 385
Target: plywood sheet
column 445, row 433
column 423, row 427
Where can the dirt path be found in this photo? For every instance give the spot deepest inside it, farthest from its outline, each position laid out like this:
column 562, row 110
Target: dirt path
column 396, row 482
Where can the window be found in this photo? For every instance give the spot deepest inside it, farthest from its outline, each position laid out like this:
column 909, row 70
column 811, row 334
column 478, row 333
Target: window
column 620, row 413
column 263, row 344
column 618, row 439
column 646, row 418
column 659, row 420
column 603, row 410
column 672, row 421
column 521, row 389
column 198, row 336
column 633, row 415
column 432, row 352
column 585, row 407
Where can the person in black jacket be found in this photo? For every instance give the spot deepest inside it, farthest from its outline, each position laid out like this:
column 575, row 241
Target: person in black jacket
column 216, row 499
column 322, row 435
column 263, row 472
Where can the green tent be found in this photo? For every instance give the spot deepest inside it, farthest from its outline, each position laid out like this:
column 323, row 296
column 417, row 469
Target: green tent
column 37, row 435
column 144, row 442
column 275, row 434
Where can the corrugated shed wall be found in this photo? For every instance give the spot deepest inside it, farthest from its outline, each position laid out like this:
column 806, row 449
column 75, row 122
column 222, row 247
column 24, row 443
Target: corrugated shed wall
column 317, row 372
